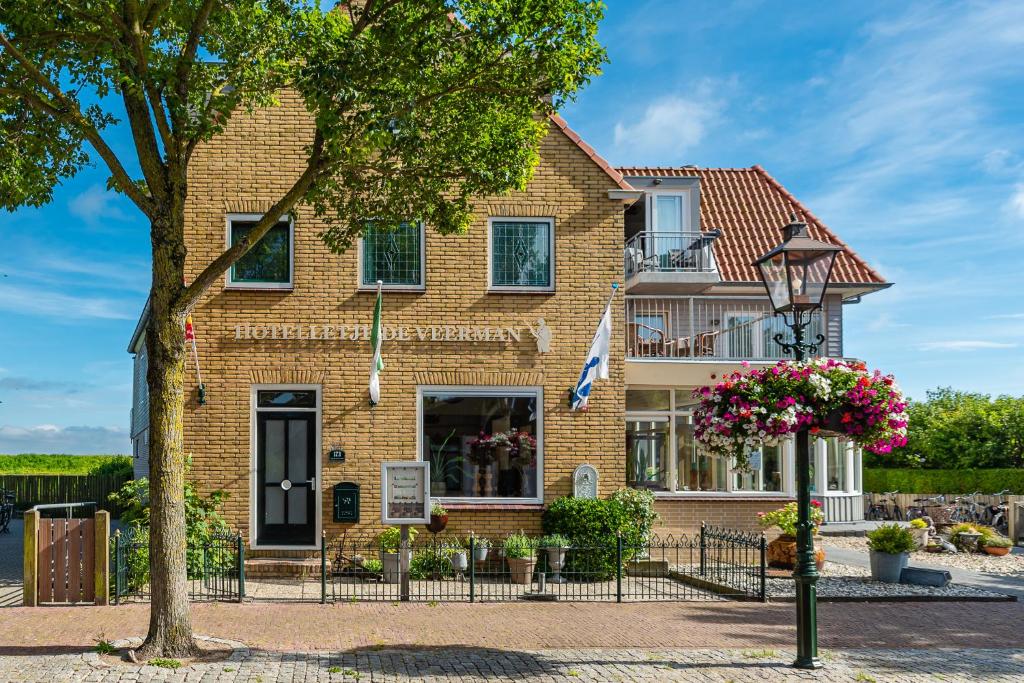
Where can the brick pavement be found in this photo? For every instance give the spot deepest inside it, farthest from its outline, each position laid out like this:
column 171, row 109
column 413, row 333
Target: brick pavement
column 484, row 664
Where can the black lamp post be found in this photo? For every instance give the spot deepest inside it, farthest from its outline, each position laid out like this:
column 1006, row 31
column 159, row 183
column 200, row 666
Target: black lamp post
column 796, row 274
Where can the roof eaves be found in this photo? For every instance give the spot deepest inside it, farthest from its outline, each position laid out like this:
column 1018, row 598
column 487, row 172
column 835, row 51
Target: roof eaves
column 140, row 327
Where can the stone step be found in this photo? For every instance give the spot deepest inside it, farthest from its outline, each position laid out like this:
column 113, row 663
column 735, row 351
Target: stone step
column 283, row 567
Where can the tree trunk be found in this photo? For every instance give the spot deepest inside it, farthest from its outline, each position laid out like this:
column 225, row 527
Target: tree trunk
column 170, row 621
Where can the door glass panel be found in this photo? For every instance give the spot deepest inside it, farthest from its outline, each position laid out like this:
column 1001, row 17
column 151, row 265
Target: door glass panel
column 669, row 213
column 298, row 467
column 286, row 399
column 273, row 451
column 275, row 505
column 297, row 498
column 740, row 335
column 646, row 446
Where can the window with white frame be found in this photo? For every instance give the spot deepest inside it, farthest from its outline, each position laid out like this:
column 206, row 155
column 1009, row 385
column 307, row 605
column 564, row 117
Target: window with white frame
column 269, row 263
column 483, row 442
column 392, row 257
column 662, row 453
column 522, row 254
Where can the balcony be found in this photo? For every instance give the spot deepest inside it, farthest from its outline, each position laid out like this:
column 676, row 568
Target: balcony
column 670, row 262
column 704, row 328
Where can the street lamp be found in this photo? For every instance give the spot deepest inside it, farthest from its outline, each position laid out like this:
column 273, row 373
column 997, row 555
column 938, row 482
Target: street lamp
column 796, row 274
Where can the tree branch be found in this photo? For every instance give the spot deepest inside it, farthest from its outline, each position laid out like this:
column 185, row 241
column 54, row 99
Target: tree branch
column 67, row 111
column 314, row 167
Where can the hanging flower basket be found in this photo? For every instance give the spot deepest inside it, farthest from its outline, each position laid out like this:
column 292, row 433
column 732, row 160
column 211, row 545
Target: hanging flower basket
column 755, row 408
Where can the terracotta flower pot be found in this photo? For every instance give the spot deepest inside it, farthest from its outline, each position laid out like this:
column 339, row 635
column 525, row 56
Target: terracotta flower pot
column 782, row 553
column 992, row 550
column 520, row 569
column 437, row 523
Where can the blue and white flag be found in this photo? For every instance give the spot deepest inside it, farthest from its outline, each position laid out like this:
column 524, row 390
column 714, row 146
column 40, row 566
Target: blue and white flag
column 596, row 366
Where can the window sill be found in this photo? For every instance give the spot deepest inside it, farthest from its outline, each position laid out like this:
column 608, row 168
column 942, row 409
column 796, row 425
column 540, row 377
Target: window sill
column 258, row 288
column 723, row 495
column 399, row 289
column 520, row 290
column 492, row 506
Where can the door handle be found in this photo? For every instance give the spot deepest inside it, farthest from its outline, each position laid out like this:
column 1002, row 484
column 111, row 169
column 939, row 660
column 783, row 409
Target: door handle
column 312, row 483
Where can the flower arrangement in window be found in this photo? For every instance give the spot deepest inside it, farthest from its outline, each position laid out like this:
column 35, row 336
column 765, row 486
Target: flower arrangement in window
column 753, row 408
column 521, row 446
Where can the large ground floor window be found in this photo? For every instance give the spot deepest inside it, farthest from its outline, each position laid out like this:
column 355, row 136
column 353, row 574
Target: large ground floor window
column 483, row 443
column 662, row 455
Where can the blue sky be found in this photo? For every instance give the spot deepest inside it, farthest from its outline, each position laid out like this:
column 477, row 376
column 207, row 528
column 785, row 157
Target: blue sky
column 899, row 124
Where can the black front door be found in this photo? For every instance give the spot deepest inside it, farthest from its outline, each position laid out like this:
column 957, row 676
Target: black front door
column 286, row 478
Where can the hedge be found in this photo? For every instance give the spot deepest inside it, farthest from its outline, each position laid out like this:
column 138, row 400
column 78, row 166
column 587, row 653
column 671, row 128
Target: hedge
column 987, row 481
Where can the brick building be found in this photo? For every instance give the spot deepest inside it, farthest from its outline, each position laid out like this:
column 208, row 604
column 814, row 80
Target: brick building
column 483, row 334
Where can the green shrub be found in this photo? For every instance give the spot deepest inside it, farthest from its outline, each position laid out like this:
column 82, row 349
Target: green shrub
column 967, row 527
column 554, row 541
column 40, row 463
column 518, row 546
column 373, row 565
column 994, row 541
column 202, row 524
column 429, row 563
column 944, row 481
column 892, row 539
column 391, row 537
column 592, row 524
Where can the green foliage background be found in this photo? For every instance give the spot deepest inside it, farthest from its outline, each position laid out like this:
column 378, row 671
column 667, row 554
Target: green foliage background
column 957, row 429
column 47, row 463
column 944, row 481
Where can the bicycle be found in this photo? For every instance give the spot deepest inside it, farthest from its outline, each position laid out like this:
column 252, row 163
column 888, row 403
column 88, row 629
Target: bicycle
column 998, row 513
column 965, row 509
column 880, row 511
column 920, row 510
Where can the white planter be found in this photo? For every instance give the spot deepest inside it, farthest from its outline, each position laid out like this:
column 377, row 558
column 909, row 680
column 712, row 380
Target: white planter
column 392, row 569
column 920, row 536
column 886, row 567
column 556, row 560
column 459, row 561
column 480, row 554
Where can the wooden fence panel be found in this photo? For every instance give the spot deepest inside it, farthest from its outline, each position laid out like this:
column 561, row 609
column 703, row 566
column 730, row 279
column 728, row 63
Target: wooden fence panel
column 46, row 489
column 45, row 565
column 67, row 561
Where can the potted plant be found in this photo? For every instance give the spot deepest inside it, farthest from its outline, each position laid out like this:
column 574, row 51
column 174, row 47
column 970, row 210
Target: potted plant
column 445, row 467
column 520, row 557
column 994, row 544
column 438, row 518
column 480, row 547
column 890, row 546
column 965, row 536
column 457, row 554
column 919, row 530
column 390, row 539
column 555, row 545
column 782, row 550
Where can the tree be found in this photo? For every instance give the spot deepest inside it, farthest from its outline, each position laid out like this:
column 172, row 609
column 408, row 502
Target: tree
column 960, row 430
column 416, row 106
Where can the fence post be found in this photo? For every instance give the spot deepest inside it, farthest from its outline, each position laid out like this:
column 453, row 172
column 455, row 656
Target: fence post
column 101, row 553
column 117, row 567
column 31, row 559
column 323, row 567
column 703, row 548
column 241, row 567
column 764, row 554
column 403, row 562
column 618, row 566
column 472, row 567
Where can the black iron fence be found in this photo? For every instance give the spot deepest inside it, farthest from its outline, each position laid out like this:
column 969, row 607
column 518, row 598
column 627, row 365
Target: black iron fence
column 717, row 564
column 216, row 567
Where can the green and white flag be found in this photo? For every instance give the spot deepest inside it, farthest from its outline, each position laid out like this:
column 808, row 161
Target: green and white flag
column 376, row 339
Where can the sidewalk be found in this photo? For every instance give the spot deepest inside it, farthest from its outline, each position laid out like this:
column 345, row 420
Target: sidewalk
column 1000, row 583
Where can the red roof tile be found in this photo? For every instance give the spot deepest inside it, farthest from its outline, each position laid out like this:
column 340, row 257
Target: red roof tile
column 750, row 207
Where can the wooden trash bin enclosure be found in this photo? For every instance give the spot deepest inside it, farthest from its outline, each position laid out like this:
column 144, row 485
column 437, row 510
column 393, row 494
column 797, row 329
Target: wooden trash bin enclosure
column 66, row 559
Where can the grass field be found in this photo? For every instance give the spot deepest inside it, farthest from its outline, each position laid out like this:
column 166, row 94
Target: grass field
column 38, row 463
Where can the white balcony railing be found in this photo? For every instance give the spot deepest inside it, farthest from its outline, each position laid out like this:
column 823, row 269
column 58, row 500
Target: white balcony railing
column 658, row 252
column 708, row 328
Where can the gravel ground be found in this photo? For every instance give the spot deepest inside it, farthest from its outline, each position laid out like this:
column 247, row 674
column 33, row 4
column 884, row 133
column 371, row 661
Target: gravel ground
column 846, row 581
column 1012, row 564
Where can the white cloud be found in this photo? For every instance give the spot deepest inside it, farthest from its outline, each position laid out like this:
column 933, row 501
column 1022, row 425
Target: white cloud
column 51, row 304
column 1017, row 201
column 1007, row 316
column 669, row 127
column 96, row 205
column 48, row 438
column 964, row 345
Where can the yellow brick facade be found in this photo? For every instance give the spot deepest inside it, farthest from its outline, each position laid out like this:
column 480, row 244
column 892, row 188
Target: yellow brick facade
column 248, row 168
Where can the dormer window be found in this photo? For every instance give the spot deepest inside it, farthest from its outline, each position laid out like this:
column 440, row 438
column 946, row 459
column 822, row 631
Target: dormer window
column 670, row 212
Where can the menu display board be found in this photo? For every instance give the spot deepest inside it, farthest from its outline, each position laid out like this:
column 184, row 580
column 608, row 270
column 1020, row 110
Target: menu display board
column 404, row 498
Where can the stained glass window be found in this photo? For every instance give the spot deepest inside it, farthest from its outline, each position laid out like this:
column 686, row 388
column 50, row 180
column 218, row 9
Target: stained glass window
column 521, row 254
column 393, row 257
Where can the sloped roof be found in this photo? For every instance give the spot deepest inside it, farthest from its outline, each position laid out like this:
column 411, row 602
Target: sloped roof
column 750, row 207
column 610, row 170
